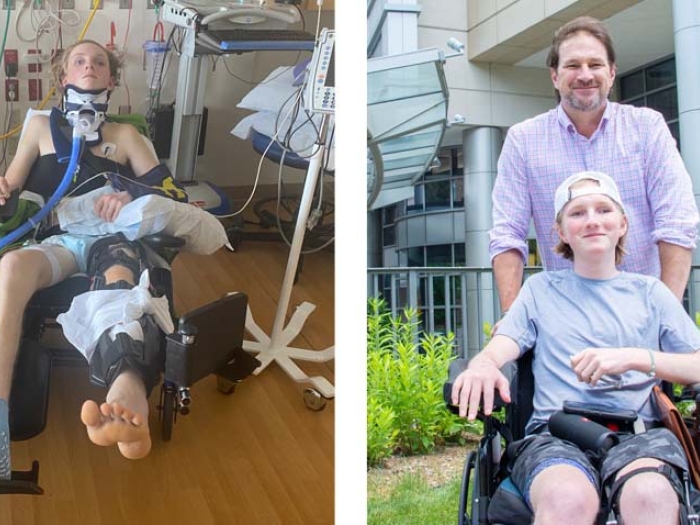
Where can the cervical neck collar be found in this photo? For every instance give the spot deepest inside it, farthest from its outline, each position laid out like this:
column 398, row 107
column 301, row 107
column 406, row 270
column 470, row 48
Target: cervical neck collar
column 86, row 109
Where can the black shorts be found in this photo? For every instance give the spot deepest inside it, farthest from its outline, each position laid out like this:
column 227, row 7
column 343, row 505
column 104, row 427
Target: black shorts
column 538, row 452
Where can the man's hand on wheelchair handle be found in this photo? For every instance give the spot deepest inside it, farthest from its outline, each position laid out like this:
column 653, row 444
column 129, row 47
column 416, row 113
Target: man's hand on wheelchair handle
column 479, row 380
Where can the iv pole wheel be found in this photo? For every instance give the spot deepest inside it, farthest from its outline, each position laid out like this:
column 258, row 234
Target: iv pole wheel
column 225, row 386
column 314, row 400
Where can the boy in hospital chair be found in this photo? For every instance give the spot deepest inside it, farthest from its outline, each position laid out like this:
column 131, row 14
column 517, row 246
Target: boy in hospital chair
column 85, row 75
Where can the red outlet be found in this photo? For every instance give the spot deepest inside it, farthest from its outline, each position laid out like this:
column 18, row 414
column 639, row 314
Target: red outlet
column 11, row 89
column 34, row 86
column 11, row 58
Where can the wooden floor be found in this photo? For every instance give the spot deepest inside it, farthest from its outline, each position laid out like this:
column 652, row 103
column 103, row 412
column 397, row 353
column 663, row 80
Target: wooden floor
column 257, row 456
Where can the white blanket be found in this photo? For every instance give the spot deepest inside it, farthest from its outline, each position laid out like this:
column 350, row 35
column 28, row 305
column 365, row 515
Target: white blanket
column 202, row 232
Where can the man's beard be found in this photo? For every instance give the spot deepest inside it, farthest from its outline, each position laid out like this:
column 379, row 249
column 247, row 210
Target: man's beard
column 585, row 105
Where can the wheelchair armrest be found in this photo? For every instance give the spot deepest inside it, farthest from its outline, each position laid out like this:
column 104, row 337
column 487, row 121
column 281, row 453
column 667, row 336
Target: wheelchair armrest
column 457, row 367
column 159, row 241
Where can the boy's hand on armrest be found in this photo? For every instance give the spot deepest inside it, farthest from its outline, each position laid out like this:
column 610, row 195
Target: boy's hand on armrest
column 480, row 379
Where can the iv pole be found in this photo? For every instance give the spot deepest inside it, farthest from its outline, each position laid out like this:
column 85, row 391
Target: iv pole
column 276, row 346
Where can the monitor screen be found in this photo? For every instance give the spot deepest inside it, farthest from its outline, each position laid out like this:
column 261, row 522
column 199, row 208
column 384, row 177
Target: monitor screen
column 330, row 76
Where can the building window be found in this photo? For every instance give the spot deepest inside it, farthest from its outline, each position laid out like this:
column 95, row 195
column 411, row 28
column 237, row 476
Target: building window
column 389, row 226
column 447, row 255
column 654, row 86
column 440, row 188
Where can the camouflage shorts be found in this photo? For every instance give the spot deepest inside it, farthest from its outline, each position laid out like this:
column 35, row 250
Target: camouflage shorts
column 535, row 453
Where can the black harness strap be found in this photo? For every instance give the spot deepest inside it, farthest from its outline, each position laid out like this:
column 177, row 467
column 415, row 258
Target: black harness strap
column 613, row 500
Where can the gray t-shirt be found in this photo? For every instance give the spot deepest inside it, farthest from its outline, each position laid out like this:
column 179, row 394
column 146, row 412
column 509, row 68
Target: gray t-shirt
column 561, row 313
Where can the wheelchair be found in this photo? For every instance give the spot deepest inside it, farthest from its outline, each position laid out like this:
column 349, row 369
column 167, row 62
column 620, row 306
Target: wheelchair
column 206, row 341
column 485, row 478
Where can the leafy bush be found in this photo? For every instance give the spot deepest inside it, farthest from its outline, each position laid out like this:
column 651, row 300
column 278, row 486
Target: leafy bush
column 405, row 374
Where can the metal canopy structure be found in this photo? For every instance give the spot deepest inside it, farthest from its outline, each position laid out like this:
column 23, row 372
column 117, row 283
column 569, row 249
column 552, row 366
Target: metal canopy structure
column 407, row 99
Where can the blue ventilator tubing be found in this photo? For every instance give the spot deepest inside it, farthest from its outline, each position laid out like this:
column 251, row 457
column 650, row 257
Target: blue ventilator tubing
column 57, row 195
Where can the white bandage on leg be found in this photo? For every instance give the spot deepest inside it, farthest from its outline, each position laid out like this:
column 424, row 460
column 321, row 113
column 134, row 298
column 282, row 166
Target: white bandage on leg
column 62, row 261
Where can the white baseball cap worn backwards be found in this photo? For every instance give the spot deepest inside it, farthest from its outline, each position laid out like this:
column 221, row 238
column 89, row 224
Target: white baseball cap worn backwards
column 606, row 186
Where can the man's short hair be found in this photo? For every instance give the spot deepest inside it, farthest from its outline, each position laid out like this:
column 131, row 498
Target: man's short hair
column 586, row 24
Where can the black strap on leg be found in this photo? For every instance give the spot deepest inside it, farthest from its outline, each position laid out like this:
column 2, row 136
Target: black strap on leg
column 145, row 358
column 613, row 499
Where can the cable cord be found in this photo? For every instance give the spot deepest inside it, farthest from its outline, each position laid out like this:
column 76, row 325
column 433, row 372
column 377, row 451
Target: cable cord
column 7, row 30
column 257, row 174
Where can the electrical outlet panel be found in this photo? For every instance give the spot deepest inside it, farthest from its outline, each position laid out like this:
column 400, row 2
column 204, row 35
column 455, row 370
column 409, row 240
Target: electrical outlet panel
column 34, row 62
column 125, row 4
column 67, row 4
column 11, row 90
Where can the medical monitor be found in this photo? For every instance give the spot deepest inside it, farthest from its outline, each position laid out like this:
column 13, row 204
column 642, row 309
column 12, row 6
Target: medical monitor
column 320, row 84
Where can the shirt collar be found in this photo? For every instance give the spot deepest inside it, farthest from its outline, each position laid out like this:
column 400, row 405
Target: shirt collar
column 566, row 123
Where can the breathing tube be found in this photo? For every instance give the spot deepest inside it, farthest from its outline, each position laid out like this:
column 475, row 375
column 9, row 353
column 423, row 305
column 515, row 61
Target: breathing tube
column 78, row 135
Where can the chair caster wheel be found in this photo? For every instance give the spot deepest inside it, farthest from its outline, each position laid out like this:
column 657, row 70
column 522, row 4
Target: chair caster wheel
column 225, row 386
column 314, row 400
column 235, row 236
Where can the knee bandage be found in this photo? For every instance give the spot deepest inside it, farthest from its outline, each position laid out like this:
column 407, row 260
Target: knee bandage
column 120, row 352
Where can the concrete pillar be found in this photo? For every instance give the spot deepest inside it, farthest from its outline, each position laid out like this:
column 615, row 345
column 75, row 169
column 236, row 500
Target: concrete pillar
column 481, row 148
column 686, row 30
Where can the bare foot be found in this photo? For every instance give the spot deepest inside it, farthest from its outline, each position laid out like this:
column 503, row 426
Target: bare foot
column 111, row 424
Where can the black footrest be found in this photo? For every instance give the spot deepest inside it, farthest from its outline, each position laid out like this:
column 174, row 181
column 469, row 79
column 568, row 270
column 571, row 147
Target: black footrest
column 23, row 482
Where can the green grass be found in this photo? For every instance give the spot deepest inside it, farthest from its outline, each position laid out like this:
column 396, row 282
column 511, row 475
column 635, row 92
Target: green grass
column 412, row 502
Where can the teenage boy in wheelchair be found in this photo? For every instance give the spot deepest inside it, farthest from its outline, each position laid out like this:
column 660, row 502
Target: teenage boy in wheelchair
column 603, row 337
column 85, row 75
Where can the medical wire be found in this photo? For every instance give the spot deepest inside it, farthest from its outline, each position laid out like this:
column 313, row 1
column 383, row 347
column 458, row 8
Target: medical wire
column 318, row 208
column 53, row 88
column 279, row 222
column 257, row 174
column 7, row 29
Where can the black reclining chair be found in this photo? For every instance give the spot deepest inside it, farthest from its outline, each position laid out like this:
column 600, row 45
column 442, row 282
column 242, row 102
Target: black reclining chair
column 207, row 340
column 484, row 473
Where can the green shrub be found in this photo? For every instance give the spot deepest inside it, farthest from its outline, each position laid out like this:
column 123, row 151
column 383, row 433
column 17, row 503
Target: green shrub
column 405, row 374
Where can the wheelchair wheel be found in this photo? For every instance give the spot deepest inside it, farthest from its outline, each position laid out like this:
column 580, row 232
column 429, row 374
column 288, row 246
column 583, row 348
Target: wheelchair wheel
column 168, row 401
column 463, row 518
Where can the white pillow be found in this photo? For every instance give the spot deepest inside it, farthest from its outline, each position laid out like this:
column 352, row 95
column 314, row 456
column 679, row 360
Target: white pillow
column 272, row 92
